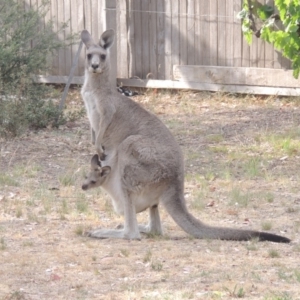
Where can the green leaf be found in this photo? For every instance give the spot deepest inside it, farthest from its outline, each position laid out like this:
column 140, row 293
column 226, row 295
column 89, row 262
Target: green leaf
column 265, row 11
column 242, row 14
column 291, row 27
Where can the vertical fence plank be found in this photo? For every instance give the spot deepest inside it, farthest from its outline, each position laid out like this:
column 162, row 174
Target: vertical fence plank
column 79, row 26
column 197, row 56
column 95, row 19
column 54, row 17
column 160, row 24
column 191, row 32
column 168, row 40
column 230, row 39
column 204, row 46
column 221, row 34
column 87, row 11
column 138, row 38
column 183, row 32
column 122, row 39
column 131, row 39
column 152, row 39
column 110, row 23
column 175, row 37
column 61, row 36
column 213, row 42
column 145, row 37
column 67, row 31
column 237, row 34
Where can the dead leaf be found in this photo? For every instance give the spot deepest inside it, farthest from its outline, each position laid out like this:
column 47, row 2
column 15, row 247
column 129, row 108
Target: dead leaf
column 210, row 204
column 54, row 277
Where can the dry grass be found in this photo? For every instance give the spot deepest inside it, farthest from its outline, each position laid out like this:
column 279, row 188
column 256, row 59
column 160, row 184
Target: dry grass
column 242, row 156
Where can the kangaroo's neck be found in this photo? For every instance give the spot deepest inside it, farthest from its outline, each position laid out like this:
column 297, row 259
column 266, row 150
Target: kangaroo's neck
column 98, row 81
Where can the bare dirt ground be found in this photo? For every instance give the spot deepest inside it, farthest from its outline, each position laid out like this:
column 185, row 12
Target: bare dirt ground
column 242, row 156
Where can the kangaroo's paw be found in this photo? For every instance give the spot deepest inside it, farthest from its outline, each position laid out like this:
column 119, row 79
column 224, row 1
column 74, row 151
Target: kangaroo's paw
column 101, row 154
column 150, row 230
column 113, row 233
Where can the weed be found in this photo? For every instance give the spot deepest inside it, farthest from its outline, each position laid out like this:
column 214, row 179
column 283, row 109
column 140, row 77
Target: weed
column 79, row 230
column 256, row 276
column 287, row 143
column 19, row 212
column 297, row 275
column 219, row 149
column 64, row 207
column 124, row 252
column 17, row 295
column 237, row 292
column 6, row 179
column 82, row 206
column 199, row 201
column 291, row 210
column 67, row 179
column 252, row 245
column 269, row 197
column 2, row 244
column 156, row 266
column 28, row 244
column 279, row 296
column 147, row 256
column 266, row 225
column 272, row 253
column 215, row 138
column 239, row 198
column 252, row 167
column 31, row 216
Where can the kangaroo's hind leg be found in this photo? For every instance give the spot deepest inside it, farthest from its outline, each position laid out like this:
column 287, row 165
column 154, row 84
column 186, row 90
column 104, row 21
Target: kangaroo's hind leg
column 130, row 230
column 154, row 225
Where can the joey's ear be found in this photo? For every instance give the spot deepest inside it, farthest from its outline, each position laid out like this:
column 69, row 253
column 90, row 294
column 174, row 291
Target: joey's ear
column 105, row 171
column 107, row 39
column 95, row 161
column 86, row 38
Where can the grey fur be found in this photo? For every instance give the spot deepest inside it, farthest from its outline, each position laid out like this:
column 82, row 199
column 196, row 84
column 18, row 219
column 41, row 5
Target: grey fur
column 146, row 162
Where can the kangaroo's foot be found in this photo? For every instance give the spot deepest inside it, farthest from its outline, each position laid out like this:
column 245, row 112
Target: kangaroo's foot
column 144, row 229
column 113, row 233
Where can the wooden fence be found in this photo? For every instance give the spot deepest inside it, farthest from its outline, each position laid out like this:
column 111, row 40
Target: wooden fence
column 173, row 43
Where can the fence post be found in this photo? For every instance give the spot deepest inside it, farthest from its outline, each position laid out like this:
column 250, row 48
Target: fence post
column 111, row 22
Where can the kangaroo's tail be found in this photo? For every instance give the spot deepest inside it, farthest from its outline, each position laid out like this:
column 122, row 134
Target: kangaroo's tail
column 178, row 211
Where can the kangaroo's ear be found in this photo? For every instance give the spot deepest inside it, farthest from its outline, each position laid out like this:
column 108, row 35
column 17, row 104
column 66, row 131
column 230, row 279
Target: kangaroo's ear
column 95, row 162
column 86, row 38
column 107, row 39
column 105, row 171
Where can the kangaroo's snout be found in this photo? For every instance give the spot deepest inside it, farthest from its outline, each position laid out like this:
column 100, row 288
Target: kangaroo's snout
column 84, row 187
column 95, row 66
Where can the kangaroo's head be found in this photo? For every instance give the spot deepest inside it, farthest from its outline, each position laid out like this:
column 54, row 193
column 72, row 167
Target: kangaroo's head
column 97, row 175
column 97, row 59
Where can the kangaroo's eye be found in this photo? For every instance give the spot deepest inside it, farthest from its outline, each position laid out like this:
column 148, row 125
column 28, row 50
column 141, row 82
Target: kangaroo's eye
column 102, row 56
column 93, row 182
column 89, row 56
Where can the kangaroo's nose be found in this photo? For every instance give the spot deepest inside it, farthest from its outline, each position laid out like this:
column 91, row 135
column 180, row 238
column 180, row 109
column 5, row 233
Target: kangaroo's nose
column 95, row 66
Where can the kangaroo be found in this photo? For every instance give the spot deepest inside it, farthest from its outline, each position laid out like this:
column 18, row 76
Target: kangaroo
column 97, row 174
column 146, row 161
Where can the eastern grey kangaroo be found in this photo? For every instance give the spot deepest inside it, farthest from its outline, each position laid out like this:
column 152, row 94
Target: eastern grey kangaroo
column 146, row 162
column 97, row 175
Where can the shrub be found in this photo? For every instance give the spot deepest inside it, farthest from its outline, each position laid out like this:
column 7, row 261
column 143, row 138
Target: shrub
column 25, row 50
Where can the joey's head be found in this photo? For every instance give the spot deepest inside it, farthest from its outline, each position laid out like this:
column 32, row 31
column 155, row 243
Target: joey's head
column 97, row 56
column 97, row 174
